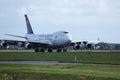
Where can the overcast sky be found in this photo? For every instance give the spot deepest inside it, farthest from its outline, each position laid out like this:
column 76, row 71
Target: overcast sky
column 84, row 19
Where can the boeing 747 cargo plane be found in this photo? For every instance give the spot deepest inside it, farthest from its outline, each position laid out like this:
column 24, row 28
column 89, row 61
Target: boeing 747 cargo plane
column 40, row 42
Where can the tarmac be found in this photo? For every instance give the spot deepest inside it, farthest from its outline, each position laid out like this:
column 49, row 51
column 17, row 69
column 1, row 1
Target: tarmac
column 51, row 63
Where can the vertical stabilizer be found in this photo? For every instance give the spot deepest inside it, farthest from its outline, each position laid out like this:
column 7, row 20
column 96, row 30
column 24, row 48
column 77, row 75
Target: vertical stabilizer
column 29, row 28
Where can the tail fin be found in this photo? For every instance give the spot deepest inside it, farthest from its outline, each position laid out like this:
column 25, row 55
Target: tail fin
column 29, row 28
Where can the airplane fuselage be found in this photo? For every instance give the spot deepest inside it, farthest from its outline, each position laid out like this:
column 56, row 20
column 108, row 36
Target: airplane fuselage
column 57, row 39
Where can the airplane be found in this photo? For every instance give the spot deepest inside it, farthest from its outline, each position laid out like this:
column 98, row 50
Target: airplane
column 40, row 42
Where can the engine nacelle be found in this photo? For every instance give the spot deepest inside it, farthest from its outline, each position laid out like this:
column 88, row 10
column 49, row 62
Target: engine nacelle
column 28, row 46
column 76, row 46
column 3, row 44
column 89, row 45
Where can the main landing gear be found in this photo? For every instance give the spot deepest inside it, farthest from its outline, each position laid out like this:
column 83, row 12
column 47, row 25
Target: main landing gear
column 39, row 50
column 61, row 50
column 50, row 50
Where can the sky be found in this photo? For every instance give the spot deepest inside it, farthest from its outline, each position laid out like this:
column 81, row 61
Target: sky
column 83, row 19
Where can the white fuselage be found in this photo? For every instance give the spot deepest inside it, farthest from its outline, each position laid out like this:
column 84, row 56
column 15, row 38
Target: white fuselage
column 57, row 39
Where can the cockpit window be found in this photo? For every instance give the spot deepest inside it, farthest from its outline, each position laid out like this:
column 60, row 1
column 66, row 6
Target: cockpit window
column 65, row 32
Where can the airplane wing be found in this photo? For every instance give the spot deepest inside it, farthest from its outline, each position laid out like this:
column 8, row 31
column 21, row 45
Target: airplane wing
column 40, row 43
column 73, row 43
column 12, row 42
column 5, row 43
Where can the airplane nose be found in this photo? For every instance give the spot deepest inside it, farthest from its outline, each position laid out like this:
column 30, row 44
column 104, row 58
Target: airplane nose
column 69, row 39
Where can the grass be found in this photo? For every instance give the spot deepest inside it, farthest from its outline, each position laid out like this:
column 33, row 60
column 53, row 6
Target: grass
column 59, row 72
column 82, row 57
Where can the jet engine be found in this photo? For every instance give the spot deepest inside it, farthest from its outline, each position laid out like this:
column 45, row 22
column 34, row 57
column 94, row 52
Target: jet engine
column 28, row 46
column 3, row 44
column 89, row 45
column 76, row 46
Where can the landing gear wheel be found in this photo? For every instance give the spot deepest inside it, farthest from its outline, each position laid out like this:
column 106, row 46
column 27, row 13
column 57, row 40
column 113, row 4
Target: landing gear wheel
column 64, row 50
column 59, row 50
column 36, row 50
column 49, row 50
column 42, row 50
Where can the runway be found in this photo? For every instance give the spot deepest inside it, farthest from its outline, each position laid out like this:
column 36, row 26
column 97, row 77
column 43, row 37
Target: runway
column 34, row 62
column 30, row 62
column 52, row 63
